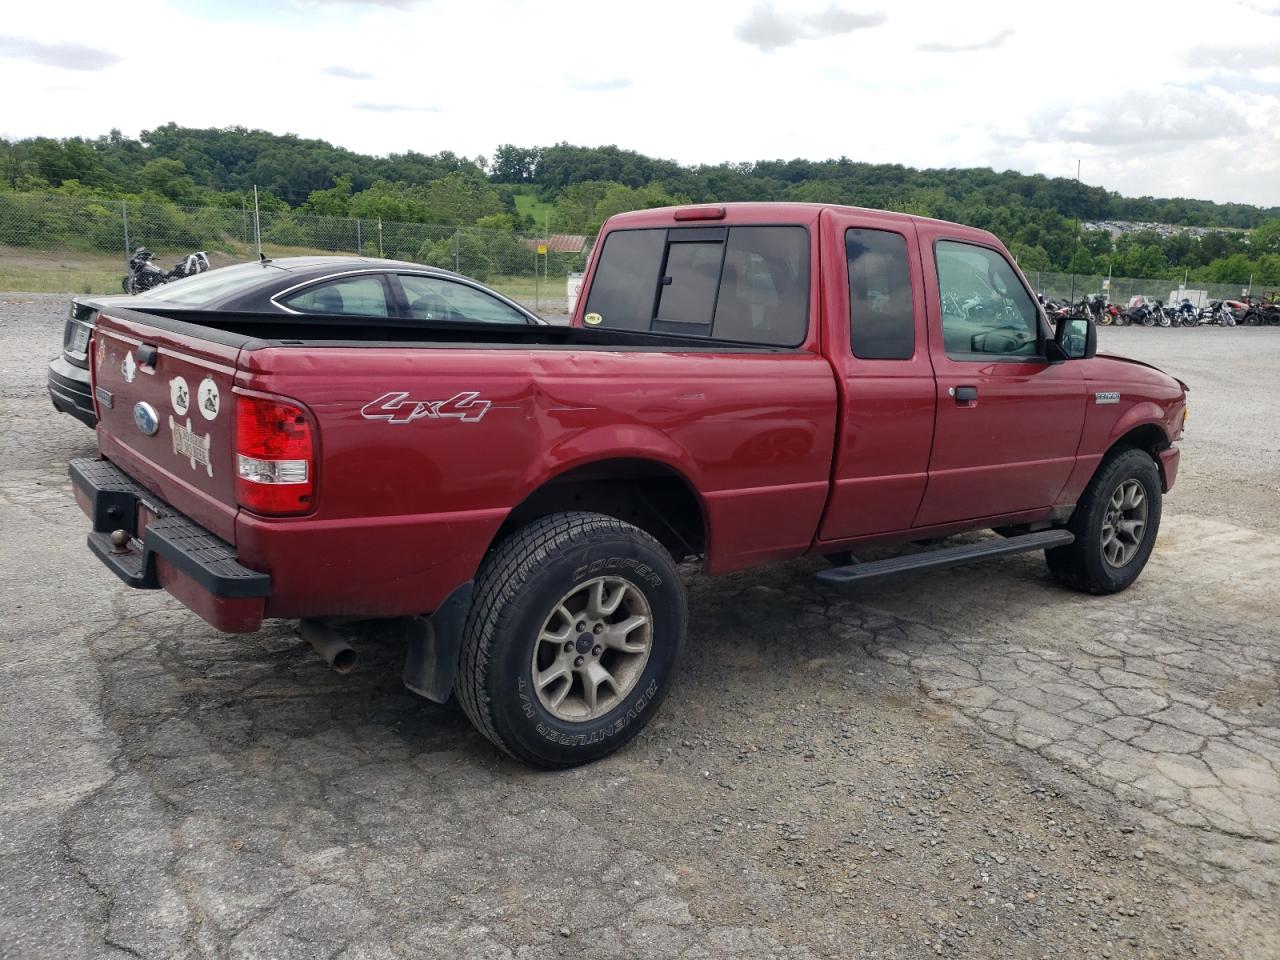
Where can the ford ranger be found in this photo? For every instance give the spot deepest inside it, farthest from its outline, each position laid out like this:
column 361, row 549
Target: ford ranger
column 740, row 384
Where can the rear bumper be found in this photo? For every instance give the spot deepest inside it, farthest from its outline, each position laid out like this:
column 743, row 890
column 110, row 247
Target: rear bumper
column 166, row 550
column 70, row 391
column 1169, row 457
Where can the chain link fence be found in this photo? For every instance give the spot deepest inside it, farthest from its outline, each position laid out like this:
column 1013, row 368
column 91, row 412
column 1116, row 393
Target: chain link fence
column 82, row 245
column 1120, row 290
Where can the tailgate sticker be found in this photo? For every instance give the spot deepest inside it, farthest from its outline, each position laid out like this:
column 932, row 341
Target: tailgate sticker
column 207, row 399
column 187, row 443
column 129, row 368
column 179, row 396
column 394, row 408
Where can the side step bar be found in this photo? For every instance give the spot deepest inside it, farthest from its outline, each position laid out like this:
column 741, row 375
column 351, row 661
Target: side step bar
column 946, row 557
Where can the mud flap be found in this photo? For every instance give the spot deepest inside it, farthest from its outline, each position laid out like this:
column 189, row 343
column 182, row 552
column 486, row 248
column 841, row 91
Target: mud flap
column 433, row 644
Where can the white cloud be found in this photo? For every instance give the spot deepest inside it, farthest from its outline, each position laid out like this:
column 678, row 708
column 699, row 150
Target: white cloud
column 1144, row 119
column 990, row 43
column 768, row 29
column 393, row 108
column 346, row 73
column 596, row 84
column 68, row 56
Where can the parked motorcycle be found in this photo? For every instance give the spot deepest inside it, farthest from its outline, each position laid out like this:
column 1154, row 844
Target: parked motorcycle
column 144, row 273
column 1187, row 314
column 1143, row 313
column 1217, row 313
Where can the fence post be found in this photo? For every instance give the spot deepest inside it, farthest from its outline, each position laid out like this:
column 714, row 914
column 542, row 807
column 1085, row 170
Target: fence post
column 379, row 236
column 456, row 258
column 124, row 218
column 359, row 242
column 257, row 225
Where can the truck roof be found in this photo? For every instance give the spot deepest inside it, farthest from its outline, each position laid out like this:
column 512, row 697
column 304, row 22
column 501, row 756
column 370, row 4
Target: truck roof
column 759, row 211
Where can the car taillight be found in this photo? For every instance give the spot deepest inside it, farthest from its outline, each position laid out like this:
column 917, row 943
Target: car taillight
column 275, row 456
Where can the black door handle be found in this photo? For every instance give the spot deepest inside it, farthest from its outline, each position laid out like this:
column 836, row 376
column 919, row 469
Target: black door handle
column 965, row 394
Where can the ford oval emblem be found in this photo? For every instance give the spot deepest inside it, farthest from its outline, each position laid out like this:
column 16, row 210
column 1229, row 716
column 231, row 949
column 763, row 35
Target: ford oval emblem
column 145, row 418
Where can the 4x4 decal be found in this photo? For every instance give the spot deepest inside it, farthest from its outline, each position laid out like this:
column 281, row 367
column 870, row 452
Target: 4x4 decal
column 395, row 408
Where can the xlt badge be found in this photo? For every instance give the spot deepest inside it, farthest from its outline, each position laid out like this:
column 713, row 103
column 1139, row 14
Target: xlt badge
column 1109, row 397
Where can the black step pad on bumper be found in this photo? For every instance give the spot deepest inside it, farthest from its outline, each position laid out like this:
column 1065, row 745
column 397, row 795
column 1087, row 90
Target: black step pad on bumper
column 113, row 498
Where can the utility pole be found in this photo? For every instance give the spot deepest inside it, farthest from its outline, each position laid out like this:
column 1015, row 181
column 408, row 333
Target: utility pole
column 1077, row 231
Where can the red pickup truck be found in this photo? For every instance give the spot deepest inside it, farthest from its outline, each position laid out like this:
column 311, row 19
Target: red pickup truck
column 741, row 384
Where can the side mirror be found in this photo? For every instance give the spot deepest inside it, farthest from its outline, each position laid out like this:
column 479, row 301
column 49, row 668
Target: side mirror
column 1076, row 338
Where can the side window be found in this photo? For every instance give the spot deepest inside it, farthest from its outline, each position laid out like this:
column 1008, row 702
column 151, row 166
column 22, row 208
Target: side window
column 363, row 296
column 985, row 308
column 746, row 284
column 882, row 320
column 435, row 298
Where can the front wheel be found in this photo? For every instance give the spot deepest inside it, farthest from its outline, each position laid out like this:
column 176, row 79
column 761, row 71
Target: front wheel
column 572, row 638
column 1115, row 523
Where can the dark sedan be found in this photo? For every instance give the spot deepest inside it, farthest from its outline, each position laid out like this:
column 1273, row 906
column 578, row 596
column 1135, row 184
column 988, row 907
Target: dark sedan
column 335, row 286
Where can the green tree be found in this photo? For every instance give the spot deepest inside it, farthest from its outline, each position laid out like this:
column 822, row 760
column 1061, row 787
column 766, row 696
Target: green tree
column 1030, row 259
column 1081, row 262
column 168, row 178
column 1236, row 268
column 458, row 199
column 333, row 202
column 619, row 199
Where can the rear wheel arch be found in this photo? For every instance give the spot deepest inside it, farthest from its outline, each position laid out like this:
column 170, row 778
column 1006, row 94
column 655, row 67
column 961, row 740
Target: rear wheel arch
column 646, row 493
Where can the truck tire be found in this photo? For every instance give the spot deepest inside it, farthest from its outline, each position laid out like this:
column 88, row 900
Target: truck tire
column 569, row 647
column 1115, row 523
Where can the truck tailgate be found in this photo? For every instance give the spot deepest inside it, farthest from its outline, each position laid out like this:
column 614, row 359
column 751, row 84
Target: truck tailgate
column 166, row 416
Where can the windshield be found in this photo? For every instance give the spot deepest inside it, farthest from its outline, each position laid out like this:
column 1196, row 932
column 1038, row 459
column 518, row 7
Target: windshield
column 204, row 288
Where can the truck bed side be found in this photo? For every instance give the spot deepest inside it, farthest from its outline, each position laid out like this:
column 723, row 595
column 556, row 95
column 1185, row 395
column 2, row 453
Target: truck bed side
column 423, row 449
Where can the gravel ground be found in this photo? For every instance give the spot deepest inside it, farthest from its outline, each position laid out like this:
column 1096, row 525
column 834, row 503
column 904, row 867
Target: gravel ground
column 973, row 763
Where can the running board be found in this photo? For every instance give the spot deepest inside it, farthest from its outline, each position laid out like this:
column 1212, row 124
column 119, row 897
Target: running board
column 946, row 557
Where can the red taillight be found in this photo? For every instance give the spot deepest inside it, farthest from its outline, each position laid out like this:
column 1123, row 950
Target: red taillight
column 275, row 456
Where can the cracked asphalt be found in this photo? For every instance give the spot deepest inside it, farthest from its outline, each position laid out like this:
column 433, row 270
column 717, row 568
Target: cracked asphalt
column 971, row 763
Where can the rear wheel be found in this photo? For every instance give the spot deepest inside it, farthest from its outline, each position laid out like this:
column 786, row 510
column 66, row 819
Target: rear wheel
column 1115, row 523
column 572, row 638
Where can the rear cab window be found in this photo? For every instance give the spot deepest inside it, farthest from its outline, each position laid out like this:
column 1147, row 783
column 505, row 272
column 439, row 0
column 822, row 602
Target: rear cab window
column 744, row 284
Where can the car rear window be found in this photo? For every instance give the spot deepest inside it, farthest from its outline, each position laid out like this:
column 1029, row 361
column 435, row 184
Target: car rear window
column 204, row 288
column 742, row 284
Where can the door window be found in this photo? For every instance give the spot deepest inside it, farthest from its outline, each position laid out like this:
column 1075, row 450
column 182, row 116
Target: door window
column 435, row 298
column 363, row 296
column 881, row 310
column 986, row 310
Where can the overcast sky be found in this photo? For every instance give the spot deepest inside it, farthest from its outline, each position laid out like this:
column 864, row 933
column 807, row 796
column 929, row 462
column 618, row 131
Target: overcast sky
column 1168, row 98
